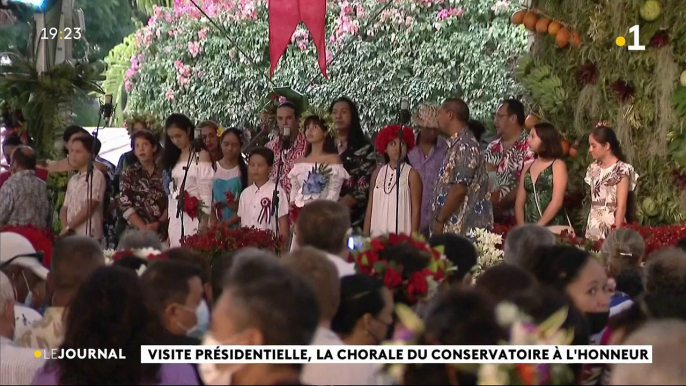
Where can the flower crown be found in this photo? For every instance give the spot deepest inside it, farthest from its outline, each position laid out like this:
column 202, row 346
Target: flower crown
column 149, row 120
column 418, row 285
column 390, row 133
column 323, row 116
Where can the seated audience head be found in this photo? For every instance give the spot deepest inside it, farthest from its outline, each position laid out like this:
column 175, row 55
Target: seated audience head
column 263, row 303
column 173, row 292
column 23, row 266
column 645, row 308
column 108, row 314
column 622, row 249
column 576, row 273
column 23, row 158
column 668, row 340
column 461, row 252
column 132, row 262
column 220, row 268
column 325, row 225
column 458, row 317
column 74, row 258
column 522, row 241
column 140, row 239
column 681, row 244
column 6, row 307
column 8, row 145
column 365, row 313
column 313, row 265
column 665, row 273
column 201, row 262
column 505, row 280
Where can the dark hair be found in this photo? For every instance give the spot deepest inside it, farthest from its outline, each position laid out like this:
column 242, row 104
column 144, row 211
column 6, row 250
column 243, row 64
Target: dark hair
column 645, row 308
column 356, row 137
column 630, row 281
column 108, row 313
column 73, row 259
column 171, row 153
column 242, row 166
column 263, row 152
column 505, row 280
column 274, row 299
column 12, row 140
column 458, row 317
column 329, row 143
column 681, row 244
column 139, row 239
column 70, row 131
column 290, row 105
column 208, row 123
column 458, row 107
column 131, row 262
column 360, row 295
column 515, row 107
column 323, row 224
column 665, row 273
column 558, row 266
column 193, row 257
column 87, row 143
column 459, row 250
column 220, row 269
column 551, row 141
column 25, row 157
column 313, row 265
column 541, row 302
column 166, row 282
column 477, row 128
column 148, row 136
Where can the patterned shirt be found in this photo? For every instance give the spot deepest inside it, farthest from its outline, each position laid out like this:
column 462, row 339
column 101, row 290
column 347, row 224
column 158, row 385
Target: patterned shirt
column 77, row 197
column 427, row 166
column 296, row 151
column 464, row 165
column 24, row 200
column 47, row 333
column 505, row 165
column 360, row 164
column 142, row 194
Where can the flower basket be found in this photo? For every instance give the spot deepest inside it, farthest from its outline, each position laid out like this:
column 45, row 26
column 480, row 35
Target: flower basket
column 221, row 239
column 410, row 278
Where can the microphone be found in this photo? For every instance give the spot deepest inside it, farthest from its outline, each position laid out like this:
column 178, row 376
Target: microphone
column 107, row 108
column 405, row 115
column 286, row 137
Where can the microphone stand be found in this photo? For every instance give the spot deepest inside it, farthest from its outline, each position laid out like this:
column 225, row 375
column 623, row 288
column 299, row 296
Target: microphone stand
column 89, row 175
column 181, row 199
column 275, row 194
column 397, row 175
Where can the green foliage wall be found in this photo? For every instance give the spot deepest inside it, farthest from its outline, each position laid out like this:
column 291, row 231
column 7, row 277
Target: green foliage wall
column 423, row 50
column 647, row 123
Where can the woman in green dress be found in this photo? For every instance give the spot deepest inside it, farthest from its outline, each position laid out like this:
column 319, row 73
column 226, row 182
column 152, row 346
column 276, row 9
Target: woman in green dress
column 542, row 185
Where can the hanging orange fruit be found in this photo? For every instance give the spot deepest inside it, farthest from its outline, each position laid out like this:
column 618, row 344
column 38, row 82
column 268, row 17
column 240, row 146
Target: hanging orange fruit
column 542, row 25
column 562, row 38
column 565, row 146
column 575, row 39
column 530, row 20
column 531, row 121
column 554, row 27
column 518, row 17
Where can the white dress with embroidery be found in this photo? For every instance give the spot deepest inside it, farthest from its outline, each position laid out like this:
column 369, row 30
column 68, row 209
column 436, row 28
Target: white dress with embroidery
column 384, row 202
column 199, row 185
column 314, row 181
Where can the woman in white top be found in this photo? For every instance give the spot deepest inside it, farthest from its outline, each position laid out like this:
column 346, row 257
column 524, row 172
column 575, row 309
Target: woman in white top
column 383, row 197
column 197, row 191
column 320, row 174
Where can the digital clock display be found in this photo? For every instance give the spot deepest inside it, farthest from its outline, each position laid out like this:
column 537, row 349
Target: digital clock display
column 65, row 34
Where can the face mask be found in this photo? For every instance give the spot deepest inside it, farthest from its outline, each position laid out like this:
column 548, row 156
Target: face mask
column 29, row 297
column 597, row 321
column 209, row 373
column 202, row 315
column 188, row 330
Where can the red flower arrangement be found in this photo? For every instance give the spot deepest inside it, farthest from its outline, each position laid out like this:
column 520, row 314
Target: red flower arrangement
column 587, row 74
column 219, row 206
column 221, row 238
column 414, row 283
column 40, row 238
column 660, row 39
column 293, row 213
column 150, row 257
column 191, row 205
column 389, row 133
column 661, row 236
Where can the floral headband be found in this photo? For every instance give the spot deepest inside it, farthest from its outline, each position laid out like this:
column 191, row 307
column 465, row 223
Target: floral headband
column 390, row 133
column 149, row 120
column 323, row 117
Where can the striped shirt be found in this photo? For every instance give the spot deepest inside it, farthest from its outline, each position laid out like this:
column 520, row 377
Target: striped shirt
column 18, row 365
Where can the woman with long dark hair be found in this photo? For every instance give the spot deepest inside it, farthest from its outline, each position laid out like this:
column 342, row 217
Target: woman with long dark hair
column 612, row 180
column 197, row 190
column 230, row 178
column 108, row 314
column 357, row 155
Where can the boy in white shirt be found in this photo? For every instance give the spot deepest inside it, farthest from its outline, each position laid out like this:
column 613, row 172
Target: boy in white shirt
column 255, row 205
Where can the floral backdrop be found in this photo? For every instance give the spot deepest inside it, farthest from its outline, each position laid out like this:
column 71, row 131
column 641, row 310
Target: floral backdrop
column 378, row 52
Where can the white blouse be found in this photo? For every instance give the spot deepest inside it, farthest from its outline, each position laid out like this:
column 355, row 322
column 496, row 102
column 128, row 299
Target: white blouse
column 314, row 181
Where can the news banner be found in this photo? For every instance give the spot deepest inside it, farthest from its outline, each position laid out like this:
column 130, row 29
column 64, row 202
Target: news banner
column 396, row 354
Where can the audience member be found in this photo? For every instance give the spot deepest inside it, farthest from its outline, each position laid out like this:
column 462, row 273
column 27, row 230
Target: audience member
column 668, row 340
column 647, row 307
column 17, row 364
column 220, row 268
column 325, row 225
column 140, row 239
column 665, row 273
column 365, row 313
column 108, row 314
column 681, row 244
column 24, row 197
column 263, row 303
column 461, row 252
column 73, row 260
column 505, row 280
column 522, row 240
column 173, row 292
column 622, row 253
column 202, row 263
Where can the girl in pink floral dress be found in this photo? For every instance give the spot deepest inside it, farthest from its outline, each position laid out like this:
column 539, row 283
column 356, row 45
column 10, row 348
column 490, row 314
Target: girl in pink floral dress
column 611, row 179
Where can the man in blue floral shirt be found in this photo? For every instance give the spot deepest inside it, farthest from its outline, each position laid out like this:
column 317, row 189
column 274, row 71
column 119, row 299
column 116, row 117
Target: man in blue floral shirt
column 461, row 198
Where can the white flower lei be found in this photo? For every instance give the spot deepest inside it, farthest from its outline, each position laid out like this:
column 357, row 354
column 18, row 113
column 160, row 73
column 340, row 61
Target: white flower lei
column 142, row 253
column 486, row 243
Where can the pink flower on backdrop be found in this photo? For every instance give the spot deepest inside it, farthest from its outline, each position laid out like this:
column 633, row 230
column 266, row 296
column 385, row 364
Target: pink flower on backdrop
column 329, row 57
column 127, row 85
column 359, row 10
column 194, row 48
column 202, row 34
column 170, row 95
column 158, row 33
column 167, row 50
column 178, row 65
